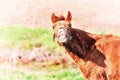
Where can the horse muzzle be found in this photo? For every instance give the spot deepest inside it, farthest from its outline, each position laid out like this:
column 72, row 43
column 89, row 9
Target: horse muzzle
column 63, row 35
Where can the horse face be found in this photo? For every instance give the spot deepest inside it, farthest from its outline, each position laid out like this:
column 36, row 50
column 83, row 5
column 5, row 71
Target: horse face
column 61, row 26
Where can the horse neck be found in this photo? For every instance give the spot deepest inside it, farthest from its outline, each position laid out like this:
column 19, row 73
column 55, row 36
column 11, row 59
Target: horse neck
column 80, row 42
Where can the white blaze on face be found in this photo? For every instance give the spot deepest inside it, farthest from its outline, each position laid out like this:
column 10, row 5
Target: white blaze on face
column 62, row 35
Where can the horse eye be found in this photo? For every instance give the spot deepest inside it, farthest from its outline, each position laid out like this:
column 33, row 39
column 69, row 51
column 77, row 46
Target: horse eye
column 70, row 25
column 53, row 27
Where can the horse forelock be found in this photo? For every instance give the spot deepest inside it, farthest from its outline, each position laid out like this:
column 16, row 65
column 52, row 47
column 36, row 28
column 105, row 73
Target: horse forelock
column 58, row 18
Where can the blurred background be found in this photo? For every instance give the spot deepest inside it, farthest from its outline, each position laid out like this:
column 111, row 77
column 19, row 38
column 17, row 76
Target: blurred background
column 27, row 51
column 89, row 15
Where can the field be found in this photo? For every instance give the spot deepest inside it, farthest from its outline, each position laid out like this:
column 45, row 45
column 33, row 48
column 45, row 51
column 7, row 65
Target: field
column 18, row 45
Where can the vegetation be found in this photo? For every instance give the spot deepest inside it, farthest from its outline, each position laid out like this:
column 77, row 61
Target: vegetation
column 26, row 39
column 23, row 74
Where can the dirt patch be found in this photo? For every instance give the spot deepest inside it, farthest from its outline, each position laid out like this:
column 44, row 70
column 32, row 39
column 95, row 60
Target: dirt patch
column 36, row 55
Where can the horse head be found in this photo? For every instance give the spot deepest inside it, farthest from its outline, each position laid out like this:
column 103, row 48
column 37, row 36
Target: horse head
column 61, row 27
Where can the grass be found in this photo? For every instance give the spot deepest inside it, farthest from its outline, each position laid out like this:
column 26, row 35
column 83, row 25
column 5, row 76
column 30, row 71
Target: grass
column 28, row 38
column 65, row 75
column 23, row 74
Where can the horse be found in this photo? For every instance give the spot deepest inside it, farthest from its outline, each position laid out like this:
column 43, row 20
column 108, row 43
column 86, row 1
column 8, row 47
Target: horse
column 97, row 55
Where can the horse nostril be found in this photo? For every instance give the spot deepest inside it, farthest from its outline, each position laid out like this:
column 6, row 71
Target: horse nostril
column 60, row 31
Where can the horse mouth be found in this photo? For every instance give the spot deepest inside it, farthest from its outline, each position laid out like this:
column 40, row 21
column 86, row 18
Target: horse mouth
column 62, row 37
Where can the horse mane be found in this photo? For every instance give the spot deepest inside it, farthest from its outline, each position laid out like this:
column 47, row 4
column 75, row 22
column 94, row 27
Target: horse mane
column 82, row 45
column 81, row 39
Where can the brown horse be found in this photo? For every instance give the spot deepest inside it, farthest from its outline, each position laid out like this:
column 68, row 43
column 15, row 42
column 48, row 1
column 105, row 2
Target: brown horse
column 97, row 56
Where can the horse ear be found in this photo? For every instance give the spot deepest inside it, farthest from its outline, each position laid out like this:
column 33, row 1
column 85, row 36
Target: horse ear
column 53, row 17
column 69, row 17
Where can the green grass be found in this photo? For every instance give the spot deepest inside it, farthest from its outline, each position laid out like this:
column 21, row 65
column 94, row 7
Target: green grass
column 23, row 74
column 27, row 38
column 65, row 75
